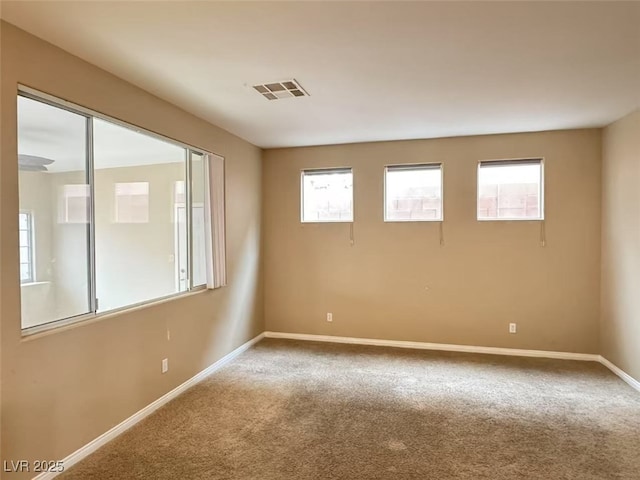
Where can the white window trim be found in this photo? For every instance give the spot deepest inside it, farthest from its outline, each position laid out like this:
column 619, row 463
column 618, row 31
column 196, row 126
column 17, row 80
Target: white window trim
column 89, row 317
column 408, row 166
column 32, row 248
column 328, row 170
column 542, row 195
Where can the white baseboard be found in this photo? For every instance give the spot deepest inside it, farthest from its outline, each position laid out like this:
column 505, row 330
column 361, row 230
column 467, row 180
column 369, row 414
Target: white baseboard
column 92, row 446
column 621, row 373
column 461, row 348
column 436, row 346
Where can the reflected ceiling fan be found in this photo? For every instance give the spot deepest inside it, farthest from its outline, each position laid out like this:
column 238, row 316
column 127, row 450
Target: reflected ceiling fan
column 33, row 163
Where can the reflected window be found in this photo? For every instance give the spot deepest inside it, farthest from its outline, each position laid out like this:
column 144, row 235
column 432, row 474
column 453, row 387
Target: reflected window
column 25, row 229
column 132, row 202
column 74, row 204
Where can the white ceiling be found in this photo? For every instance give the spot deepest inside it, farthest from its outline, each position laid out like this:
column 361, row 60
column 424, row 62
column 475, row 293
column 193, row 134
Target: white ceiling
column 375, row 70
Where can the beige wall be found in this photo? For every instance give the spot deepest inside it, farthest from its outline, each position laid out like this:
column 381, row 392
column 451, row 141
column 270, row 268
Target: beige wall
column 620, row 319
column 61, row 390
column 397, row 282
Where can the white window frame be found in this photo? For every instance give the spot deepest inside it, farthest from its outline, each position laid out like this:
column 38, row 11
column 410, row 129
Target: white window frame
column 513, row 162
column 30, row 247
column 414, row 166
column 30, row 93
column 320, row 171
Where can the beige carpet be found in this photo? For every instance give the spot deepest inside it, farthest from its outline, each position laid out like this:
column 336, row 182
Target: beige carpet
column 300, row 410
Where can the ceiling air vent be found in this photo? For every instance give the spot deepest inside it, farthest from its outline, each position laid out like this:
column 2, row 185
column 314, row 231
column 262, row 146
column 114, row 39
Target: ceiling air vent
column 277, row 90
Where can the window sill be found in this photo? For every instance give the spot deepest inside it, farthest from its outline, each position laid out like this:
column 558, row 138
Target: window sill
column 33, row 284
column 510, row 219
column 39, row 331
column 435, row 220
column 306, row 222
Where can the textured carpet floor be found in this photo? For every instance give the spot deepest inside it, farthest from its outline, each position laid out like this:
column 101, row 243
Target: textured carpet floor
column 300, row 410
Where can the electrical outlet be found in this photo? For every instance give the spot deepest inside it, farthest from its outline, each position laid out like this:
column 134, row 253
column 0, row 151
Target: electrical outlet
column 165, row 365
column 513, row 328
column 329, row 317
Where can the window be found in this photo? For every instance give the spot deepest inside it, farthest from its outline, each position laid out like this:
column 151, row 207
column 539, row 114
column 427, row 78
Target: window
column 327, row 195
column 139, row 240
column 27, row 267
column 115, row 216
column 413, row 193
column 52, row 173
column 198, row 218
column 74, row 204
column 510, row 190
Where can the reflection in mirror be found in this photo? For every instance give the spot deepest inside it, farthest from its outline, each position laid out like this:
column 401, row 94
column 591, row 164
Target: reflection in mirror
column 140, row 232
column 53, row 228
